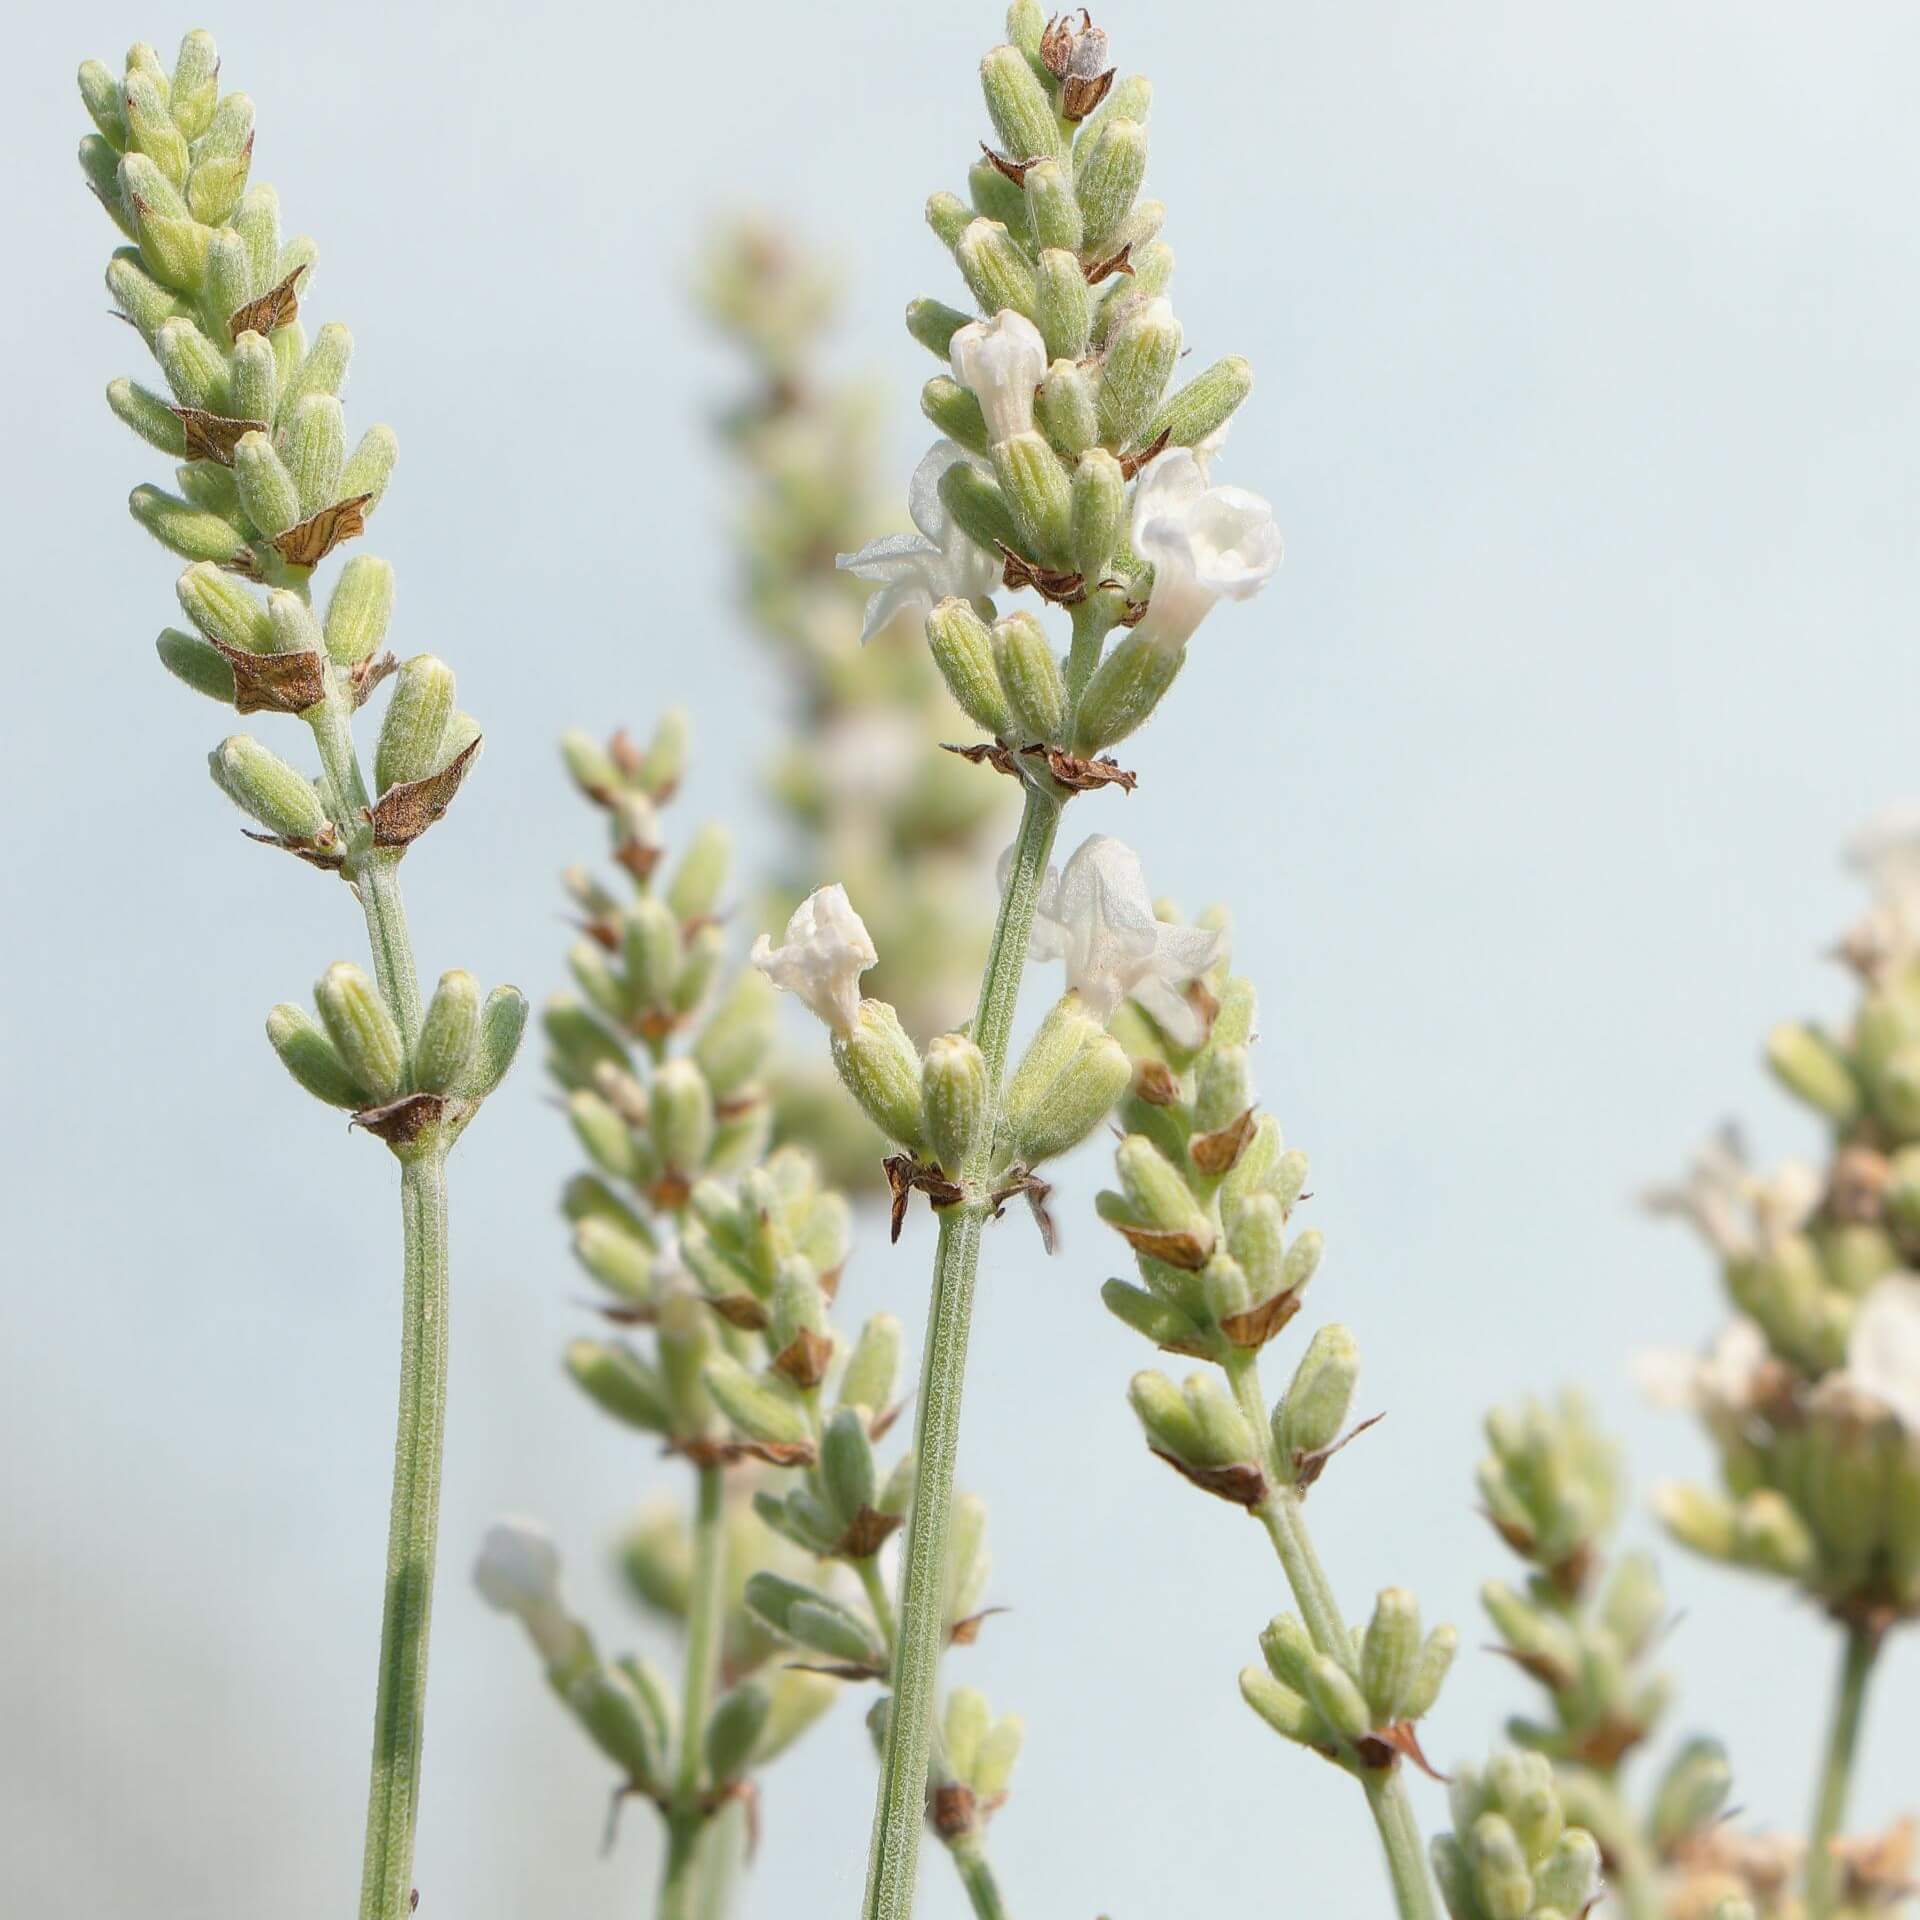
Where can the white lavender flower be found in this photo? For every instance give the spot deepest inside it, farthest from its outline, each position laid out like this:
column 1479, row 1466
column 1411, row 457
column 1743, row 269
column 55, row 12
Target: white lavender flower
column 1883, row 1349
column 826, row 949
column 1098, row 917
column 1001, row 361
column 518, row 1572
column 1206, row 543
column 914, row 571
column 1738, row 1212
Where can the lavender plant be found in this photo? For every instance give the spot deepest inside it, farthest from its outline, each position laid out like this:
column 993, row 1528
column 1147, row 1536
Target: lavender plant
column 1811, row 1395
column 267, row 491
column 724, row 1253
column 1067, row 468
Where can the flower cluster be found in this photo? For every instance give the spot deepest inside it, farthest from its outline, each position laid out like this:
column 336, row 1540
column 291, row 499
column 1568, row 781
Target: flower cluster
column 1812, row 1392
column 727, row 1253
column 1512, row 1854
column 856, row 778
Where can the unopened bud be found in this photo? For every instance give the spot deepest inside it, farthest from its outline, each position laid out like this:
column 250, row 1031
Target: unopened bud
column 735, row 1729
column 846, row 1464
column 449, row 1033
column 1063, row 305
column 1813, row 1069
column 1063, row 404
column 1030, row 676
column 267, row 488
column 763, row 1407
column 314, row 446
column 1139, row 362
column 619, row 1382
column 1204, row 405
column 1109, row 175
column 953, row 1095
column 997, row 273
column 978, row 507
column 1066, row 1084
column 1099, row 513
column 618, row 1261
column 193, row 661
column 680, row 1114
column 1389, row 1654
column 1338, row 1699
column 1156, row 1192
column 261, row 784
column 867, row 1380
column 413, row 734
column 1053, row 207
column 1126, row 687
column 1036, row 487
column 1018, row 105
column 194, row 533
column 955, row 412
column 359, row 609
column 362, row 1030
column 312, row 1059
column 1318, row 1399
column 962, row 649
column 934, row 324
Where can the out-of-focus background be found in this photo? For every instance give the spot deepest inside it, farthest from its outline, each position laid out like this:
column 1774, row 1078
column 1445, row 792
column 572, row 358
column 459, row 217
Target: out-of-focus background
column 1588, row 403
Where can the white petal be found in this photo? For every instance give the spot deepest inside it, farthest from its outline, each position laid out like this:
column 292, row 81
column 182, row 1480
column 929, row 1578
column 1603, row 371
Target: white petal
column 1001, row 361
column 1883, row 1349
column 924, row 504
column 518, row 1567
column 825, row 951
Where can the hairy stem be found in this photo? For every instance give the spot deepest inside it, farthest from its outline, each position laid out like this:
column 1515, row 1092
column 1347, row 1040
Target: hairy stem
column 976, row 1875
column 901, row 1805
column 386, row 1886
column 680, row 1877
column 1836, row 1771
column 1284, row 1517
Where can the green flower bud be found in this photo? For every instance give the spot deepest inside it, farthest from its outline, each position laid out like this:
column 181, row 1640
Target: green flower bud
column 997, row 1755
column 1315, row 1409
column 1030, row 676
column 680, row 1114
column 953, row 1098
column 190, row 659
column 1099, row 516
column 867, row 1380
column 1768, row 1534
column 955, row 412
column 1499, row 1869
column 619, row 1382
column 1429, row 1673
column 997, row 273
column 1126, row 687
column 148, row 415
column 261, row 784
column 1140, row 361
column 738, row 1035
column 846, row 1464
column 881, row 1069
column 1698, row 1519
column 312, row 1059
column 253, row 377
column 1147, row 1314
column 322, row 370
column 100, row 163
column 100, row 95
column 763, row 1407
column 619, row 1262
column 1109, row 175
column 735, row 1729
column 1156, row 1193
column 370, row 466
column 1389, row 1654
column 220, row 168
column 978, row 506
column 1052, row 208
column 1336, row 1698
column 1063, row 305
column 191, row 532
column 196, row 84
column 412, row 741
column 606, row 1137
column 1285, row 1711
column 1813, row 1069
column 997, row 197
column 1204, row 405
column 949, row 217
column 1568, row 1881
column 1064, row 406
column 359, row 609
column 138, row 295
column 150, row 128
column 449, row 1034
column 963, row 651
column 1036, row 487
column 1066, row 1083
column 934, row 324
column 314, row 446
column 1021, row 111
column 614, row 1721
column 362, row 1030
column 1691, row 1792
column 267, row 489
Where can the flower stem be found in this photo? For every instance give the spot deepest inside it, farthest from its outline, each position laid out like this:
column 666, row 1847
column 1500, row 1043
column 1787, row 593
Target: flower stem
column 976, row 1875
column 386, row 1887
column 1836, row 1773
column 901, row 1805
column 706, row 1603
column 1283, row 1515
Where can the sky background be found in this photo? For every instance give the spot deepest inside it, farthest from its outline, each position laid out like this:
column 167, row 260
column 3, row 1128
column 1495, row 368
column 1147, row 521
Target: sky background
column 1587, row 402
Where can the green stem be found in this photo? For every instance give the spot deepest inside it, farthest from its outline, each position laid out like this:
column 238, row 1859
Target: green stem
column 901, row 1805
column 1283, row 1515
column 386, row 1887
column 976, row 1875
column 877, row 1598
column 706, row 1607
column 1836, row 1773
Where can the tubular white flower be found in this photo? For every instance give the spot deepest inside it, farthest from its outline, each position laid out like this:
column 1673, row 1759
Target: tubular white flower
column 1739, row 1213
column 916, row 570
column 1720, row 1381
column 1001, row 361
column 518, row 1572
column 826, row 950
column 1206, row 543
column 1883, row 1348
column 1098, row 917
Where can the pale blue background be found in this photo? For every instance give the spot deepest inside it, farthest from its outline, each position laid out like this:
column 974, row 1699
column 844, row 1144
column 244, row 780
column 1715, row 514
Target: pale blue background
column 1588, row 404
